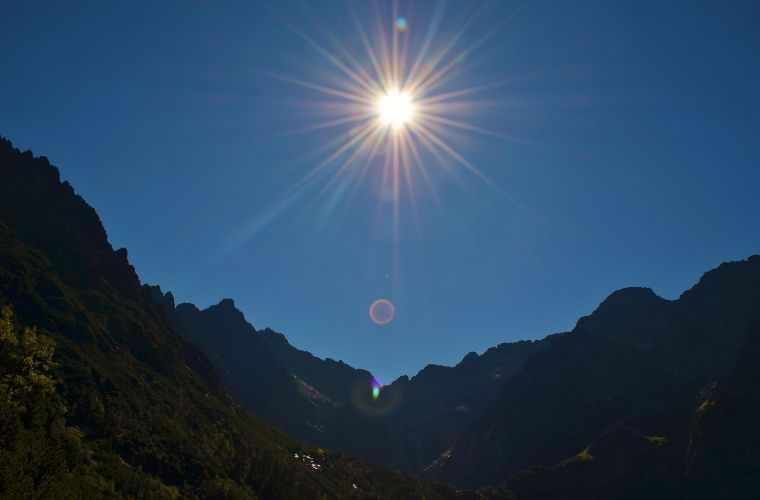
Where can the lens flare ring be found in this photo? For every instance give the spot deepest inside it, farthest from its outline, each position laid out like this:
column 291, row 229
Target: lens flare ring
column 382, row 311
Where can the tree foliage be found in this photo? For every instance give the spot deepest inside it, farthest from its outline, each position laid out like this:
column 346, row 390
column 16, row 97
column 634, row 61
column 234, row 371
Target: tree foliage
column 27, row 361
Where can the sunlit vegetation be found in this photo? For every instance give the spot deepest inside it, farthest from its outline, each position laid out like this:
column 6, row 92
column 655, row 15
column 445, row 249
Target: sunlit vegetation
column 100, row 398
column 40, row 456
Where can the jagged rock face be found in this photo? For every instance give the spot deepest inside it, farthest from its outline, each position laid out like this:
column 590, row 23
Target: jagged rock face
column 48, row 214
column 144, row 413
column 152, row 410
column 441, row 401
column 316, row 400
column 638, row 360
column 303, row 395
column 724, row 453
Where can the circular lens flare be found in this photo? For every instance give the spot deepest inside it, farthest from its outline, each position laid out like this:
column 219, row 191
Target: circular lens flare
column 381, row 311
column 395, row 108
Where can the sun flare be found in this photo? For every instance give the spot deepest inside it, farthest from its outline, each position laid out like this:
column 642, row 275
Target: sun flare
column 400, row 107
column 395, row 108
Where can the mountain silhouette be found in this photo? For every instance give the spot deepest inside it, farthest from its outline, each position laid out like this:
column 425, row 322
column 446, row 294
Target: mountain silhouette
column 634, row 370
column 110, row 389
column 133, row 410
column 637, row 361
column 328, row 402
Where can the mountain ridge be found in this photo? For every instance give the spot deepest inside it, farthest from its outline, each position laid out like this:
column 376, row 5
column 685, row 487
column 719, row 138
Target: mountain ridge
column 635, row 319
column 139, row 411
column 142, row 413
column 586, row 376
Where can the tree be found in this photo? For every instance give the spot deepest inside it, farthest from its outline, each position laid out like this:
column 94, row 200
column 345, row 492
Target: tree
column 27, row 360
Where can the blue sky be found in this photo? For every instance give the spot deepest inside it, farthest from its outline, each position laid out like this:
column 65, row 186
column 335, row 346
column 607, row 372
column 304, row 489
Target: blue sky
column 625, row 153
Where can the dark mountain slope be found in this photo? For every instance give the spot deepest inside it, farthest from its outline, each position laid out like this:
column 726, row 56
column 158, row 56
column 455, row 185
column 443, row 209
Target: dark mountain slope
column 724, row 452
column 257, row 381
column 637, row 361
column 329, row 403
column 142, row 411
column 333, row 379
column 621, row 464
column 440, row 401
column 722, row 459
column 305, row 396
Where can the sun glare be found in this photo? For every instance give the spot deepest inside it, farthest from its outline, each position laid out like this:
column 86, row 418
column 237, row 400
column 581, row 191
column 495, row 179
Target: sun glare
column 395, row 108
column 399, row 106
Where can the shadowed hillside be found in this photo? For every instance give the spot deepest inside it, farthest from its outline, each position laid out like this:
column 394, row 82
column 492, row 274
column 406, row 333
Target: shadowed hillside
column 135, row 411
column 723, row 458
column 638, row 361
column 104, row 394
column 329, row 403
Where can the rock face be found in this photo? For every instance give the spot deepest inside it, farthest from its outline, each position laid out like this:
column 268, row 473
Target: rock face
column 136, row 412
column 637, row 361
column 141, row 406
column 620, row 463
column 723, row 458
column 328, row 402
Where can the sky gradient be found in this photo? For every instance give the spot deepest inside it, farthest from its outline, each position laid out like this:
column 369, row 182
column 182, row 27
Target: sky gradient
column 625, row 153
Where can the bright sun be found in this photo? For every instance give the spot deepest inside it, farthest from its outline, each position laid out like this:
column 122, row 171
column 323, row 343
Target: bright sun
column 395, row 108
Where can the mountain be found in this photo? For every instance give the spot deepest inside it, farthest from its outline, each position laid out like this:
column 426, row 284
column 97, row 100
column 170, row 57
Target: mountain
column 720, row 461
column 638, row 361
column 620, row 463
column 101, row 398
column 329, row 403
column 723, row 459
column 110, row 390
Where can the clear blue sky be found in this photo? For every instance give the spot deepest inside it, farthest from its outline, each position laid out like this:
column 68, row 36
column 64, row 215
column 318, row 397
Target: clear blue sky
column 633, row 159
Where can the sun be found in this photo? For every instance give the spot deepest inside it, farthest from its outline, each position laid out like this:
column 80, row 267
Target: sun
column 395, row 108
column 396, row 97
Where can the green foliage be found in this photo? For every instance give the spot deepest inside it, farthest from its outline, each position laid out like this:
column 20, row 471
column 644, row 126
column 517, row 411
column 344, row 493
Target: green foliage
column 37, row 449
column 41, row 456
column 27, row 360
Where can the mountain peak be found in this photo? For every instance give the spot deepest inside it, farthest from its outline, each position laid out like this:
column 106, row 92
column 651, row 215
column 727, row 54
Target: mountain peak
column 227, row 303
column 731, row 281
column 625, row 313
column 632, row 295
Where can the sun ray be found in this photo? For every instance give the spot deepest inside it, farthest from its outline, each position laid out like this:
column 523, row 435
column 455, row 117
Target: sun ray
column 459, row 158
column 460, row 125
column 336, row 175
column 434, row 80
column 363, row 99
column 371, row 53
column 384, row 50
column 367, row 115
column 427, row 41
column 464, row 92
column 361, row 135
column 436, row 58
column 366, row 85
